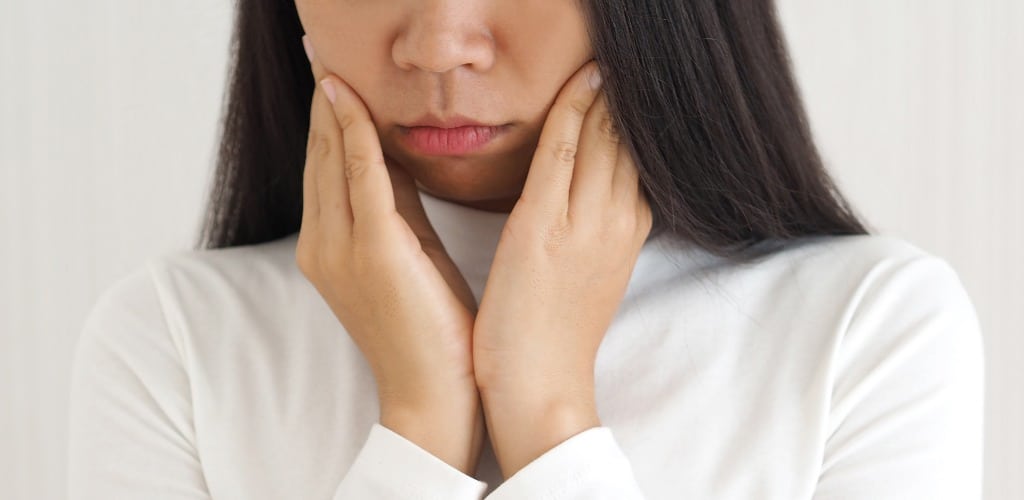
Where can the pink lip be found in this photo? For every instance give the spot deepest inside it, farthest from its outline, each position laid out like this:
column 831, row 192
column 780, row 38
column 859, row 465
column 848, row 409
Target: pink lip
column 452, row 121
column 450, row 141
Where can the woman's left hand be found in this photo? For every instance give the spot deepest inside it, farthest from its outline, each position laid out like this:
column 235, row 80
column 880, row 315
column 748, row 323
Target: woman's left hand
column 561, row 269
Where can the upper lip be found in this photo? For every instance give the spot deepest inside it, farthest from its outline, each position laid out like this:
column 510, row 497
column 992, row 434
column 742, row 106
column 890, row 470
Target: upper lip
column 452, row 121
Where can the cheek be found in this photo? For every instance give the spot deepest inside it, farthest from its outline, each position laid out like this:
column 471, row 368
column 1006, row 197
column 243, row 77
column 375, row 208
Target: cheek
column 354, row 56
column 553, row 28
column 349, row 37
column 347, row 51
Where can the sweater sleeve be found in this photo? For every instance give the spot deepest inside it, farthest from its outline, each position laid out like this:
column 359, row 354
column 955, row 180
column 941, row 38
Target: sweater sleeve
column 905, row 418
column 131, row 432
column 389, row 466
column 589, row 465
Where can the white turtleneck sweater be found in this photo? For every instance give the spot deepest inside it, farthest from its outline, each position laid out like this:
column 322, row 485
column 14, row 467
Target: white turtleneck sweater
column 841, row 368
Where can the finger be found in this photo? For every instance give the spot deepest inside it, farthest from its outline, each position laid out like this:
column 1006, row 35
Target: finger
column 627, row 191
column 370, row 190
column 408, row 203
column 548, row 180
column 364, row 170
column 596, row 162
column 626, row 181
column 326, row 153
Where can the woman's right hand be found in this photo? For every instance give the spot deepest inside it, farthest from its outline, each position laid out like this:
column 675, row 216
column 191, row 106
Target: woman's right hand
column 367, row 246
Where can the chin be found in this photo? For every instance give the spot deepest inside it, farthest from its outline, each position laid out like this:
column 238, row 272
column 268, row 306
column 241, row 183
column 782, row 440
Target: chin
column 492, row 182
column 475, row 196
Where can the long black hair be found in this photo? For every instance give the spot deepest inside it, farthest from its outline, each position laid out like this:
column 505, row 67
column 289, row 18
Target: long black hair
column 701, row 90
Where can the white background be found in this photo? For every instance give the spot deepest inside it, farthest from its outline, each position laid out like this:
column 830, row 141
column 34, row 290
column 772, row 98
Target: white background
column 108, row 123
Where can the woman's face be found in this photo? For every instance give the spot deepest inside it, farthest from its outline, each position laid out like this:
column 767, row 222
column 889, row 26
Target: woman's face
column 496, row 62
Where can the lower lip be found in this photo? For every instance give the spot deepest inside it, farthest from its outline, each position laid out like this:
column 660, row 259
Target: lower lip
column 450, row 141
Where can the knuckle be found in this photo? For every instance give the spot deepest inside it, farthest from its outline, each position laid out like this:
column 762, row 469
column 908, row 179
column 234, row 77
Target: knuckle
column 564, row 151
column 356, row 165
column 556, row 237
column 319, row 145
column 647, row 218
column 579, row 106
column 622, row 224
column 306, row 258
column 346, row 120
column 643, row 214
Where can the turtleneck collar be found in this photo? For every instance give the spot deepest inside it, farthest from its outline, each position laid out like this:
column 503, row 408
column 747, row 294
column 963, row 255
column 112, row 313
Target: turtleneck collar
column 470, row 236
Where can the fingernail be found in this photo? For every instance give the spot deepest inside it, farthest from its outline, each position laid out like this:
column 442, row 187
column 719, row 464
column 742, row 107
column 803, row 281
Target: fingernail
column 594, row 78
column 329, row 90
column 309, row 48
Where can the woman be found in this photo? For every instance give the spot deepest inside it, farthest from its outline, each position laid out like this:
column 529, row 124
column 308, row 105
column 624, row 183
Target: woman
column 459, row 249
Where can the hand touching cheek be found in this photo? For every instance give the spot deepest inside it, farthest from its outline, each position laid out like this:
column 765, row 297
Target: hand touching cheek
column 367, row 246
column 561, row 269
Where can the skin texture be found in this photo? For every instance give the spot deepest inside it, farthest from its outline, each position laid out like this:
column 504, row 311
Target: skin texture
column 518, row 368
column 490, row 61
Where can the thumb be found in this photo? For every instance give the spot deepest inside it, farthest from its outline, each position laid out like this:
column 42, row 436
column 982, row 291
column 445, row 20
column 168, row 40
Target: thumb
column 407, row 201
column 410, row 207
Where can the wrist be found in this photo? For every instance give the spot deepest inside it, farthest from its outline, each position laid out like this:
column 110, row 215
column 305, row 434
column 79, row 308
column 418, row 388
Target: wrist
column 523, row 427
column 539, row 393
column 452, row 429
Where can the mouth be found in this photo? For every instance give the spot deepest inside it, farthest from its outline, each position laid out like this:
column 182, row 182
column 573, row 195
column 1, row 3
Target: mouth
column 437, row 141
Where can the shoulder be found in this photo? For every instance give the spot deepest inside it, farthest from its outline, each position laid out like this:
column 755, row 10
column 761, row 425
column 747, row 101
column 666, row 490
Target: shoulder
column 852, row 253
column 880, row 282
column 244, row 266
column 221, row 283
column 831, row 274
column 881, row 271
column 131, row 303
column 191, row 286
column 872, row 294
column 861, row 270
column 850, row 271
column 900, row 313
column 904, row 368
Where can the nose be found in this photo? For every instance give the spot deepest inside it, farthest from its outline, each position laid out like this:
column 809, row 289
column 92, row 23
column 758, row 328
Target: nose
column 442, row 35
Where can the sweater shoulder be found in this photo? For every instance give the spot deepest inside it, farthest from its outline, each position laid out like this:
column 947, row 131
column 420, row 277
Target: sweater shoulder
column 854, row 253
column 186, row 286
